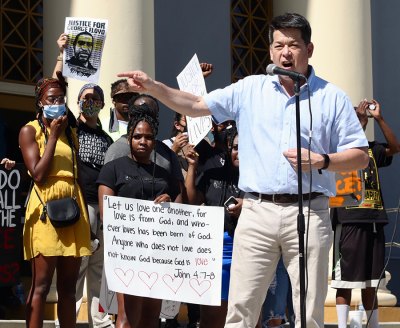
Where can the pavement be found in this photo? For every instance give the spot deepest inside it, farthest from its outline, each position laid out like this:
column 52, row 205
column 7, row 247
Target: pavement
column 50, row 324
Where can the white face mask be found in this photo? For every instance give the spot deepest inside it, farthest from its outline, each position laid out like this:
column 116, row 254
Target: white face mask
column 54, row 111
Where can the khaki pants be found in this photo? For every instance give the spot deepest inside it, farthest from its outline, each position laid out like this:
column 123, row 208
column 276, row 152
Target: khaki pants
column 265, row 231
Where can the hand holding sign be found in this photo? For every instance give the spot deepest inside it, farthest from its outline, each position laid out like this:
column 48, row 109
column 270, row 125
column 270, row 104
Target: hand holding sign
column 83, row 54
column 191, row 80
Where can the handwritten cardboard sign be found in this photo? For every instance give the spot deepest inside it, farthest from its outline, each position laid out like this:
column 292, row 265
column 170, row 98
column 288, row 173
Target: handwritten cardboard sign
column 168, row 251
column 11, row 211
column 349, row 189
column 191, row 80
column 82, row 57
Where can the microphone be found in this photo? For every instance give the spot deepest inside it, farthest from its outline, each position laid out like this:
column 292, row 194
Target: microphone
column 272, row 69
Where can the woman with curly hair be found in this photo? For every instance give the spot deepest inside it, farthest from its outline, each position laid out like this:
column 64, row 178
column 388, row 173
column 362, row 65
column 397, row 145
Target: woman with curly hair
column 49, row 147
column 138, row 176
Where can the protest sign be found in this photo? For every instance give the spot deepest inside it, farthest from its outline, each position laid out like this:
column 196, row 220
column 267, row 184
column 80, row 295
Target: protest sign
column 12, row 188
column 191, row 80
column 82, row 57
column 169, row 251
column 109, row 304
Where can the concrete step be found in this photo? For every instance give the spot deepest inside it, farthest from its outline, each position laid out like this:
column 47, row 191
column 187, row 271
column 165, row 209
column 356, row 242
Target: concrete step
column 46, row 324
column 50, row 324
column 388, row 314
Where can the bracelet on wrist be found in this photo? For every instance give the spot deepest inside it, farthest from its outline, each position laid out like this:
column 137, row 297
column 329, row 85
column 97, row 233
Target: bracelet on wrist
column 327, row 160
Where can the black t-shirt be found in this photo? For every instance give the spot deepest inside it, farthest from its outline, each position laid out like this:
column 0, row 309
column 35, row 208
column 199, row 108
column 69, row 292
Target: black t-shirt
column 372, row 209
column 218, row 181
column 165, row 157
column 93, row 144
column 131, row 179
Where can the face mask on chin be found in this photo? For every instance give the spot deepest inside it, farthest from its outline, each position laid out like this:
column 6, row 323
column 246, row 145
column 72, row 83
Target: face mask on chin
column 54, row 111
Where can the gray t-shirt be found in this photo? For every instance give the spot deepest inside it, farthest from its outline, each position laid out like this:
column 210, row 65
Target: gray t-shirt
column 165, row 157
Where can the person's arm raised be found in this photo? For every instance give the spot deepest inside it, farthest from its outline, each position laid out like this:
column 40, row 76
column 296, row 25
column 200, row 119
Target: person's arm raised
column 180, row 101
column 62, row 42
column 393, row 145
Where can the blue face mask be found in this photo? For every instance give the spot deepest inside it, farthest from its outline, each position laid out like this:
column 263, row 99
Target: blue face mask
column 54, row 111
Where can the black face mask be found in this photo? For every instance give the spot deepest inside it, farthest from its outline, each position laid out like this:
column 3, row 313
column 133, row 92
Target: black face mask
column 185, row 129
column 220, row 136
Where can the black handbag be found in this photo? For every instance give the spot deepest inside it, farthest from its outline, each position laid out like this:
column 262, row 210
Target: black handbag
column 62, row 212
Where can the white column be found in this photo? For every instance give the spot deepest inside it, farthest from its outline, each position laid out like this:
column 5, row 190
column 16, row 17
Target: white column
column 129, row 44
column 341, row 33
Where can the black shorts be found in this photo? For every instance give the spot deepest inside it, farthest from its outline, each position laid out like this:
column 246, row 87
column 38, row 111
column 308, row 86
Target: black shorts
column 358, row 256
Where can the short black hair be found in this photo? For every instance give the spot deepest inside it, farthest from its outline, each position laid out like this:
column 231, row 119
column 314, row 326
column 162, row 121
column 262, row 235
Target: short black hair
column 177, row 118
column 290, row 20
column 155, row 109
column 79, row 35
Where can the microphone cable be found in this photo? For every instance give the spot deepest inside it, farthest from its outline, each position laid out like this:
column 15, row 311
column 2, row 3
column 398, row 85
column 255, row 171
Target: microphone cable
column 309, row 190
column 391, row 243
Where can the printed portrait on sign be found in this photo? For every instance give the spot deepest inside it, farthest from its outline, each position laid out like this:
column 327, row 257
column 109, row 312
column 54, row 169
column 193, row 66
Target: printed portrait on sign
column 82, row 56
column 83, row 47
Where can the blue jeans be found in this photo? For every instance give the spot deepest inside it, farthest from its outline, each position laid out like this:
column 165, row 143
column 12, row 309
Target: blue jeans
column 278, row 297
column 226, row 265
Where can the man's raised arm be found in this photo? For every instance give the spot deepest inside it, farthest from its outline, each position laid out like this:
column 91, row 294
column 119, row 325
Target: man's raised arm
column 179, row 101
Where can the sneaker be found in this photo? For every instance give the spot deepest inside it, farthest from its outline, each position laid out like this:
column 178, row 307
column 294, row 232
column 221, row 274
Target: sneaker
column 193, row 325
column 171, row 323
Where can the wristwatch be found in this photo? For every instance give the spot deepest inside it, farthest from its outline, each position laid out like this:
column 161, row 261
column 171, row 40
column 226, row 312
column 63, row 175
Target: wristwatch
column 327, row 160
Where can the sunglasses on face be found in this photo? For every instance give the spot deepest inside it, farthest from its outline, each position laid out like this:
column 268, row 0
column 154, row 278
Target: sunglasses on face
column 123, row 97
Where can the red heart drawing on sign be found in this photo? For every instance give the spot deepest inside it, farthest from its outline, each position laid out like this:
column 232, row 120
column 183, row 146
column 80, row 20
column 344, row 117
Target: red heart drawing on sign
column 200, row 287
column 125, row 276
column 172, row 283
column 148, row 279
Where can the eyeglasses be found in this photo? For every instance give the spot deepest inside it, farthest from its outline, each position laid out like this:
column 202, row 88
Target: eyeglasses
column 124, row 97
column 87, row 43
column 56, row 99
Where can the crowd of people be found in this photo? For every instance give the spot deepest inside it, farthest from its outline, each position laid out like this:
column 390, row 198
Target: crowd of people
column 81, row 159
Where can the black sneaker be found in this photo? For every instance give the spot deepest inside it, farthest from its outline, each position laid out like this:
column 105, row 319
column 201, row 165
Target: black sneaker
column 171, row 323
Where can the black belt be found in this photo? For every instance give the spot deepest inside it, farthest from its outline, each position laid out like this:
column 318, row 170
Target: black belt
column 286, row 198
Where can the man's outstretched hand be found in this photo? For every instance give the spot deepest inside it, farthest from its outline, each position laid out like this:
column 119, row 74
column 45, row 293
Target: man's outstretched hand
column 138, row 81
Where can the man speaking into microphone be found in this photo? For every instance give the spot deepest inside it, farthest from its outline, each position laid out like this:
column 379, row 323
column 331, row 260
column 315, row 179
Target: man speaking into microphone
column 264, row 109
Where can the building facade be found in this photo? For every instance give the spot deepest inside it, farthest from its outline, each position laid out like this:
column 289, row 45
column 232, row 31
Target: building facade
column 354, row 48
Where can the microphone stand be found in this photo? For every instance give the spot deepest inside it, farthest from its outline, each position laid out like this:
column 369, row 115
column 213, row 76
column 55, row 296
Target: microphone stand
column 300, row 216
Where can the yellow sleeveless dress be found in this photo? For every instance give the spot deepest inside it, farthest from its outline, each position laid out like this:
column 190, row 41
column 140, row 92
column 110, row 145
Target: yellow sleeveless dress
column 41, row 237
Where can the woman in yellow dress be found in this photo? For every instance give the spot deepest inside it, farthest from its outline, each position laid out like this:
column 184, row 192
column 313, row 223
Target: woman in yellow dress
column 46, row 145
